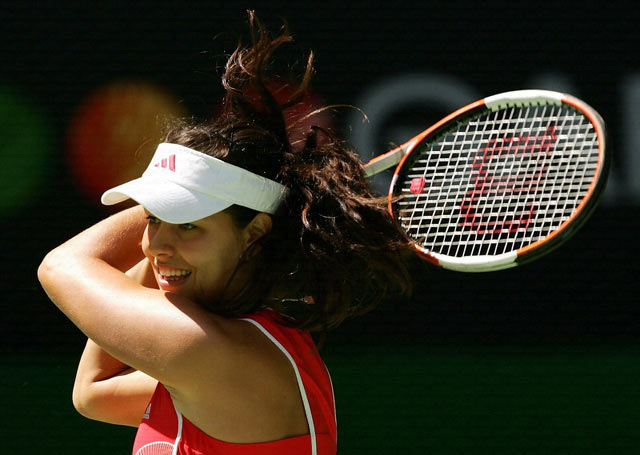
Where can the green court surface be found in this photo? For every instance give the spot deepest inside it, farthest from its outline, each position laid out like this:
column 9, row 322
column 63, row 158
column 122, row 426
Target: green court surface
column 393, row 400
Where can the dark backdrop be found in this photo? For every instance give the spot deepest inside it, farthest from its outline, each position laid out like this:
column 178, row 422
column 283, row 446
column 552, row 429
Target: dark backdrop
column 59, row 52
column 584, row 294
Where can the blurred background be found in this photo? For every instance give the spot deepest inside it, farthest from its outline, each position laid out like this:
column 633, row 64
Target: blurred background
column 539, row 359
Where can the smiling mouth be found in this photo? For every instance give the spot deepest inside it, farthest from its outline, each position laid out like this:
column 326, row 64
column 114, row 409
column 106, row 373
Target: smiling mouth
column 172, row 276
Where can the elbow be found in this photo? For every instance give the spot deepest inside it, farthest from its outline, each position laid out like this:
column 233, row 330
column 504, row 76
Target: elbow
column 47, row 268
column 81, row 408
column 51, row 273
column 84, row 396
column 81, row 401
column 43, row 270
column 84, row 402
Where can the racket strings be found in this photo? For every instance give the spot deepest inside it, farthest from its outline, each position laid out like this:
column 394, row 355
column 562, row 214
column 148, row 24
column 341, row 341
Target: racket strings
column 500, row 181
column 500, row 172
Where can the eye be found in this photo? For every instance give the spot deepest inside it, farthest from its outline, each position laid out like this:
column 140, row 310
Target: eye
column 152, row 219
column 187, row 226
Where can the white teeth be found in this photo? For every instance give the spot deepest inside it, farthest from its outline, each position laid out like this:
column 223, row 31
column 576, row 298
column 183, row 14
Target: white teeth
column 173, row 272
column 173, row 278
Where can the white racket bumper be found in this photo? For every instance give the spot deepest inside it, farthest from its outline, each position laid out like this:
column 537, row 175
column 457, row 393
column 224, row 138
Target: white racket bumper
column 523, row 98
column 477, row 263
column 384, row 162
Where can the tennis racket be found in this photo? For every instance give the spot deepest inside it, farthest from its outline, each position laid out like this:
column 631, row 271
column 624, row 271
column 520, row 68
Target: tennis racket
column 499, row 182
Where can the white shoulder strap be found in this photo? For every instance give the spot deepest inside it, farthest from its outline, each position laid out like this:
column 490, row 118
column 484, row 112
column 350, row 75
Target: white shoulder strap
column 303, row 393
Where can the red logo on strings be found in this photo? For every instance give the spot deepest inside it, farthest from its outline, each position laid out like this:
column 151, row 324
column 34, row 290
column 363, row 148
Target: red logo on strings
column 417, row 185
column 167, row 163
column 489, row 179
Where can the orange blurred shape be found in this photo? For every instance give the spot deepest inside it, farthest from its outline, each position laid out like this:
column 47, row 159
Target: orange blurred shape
column 114, row 133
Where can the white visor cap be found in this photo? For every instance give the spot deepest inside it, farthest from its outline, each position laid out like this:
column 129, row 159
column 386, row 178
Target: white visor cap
column 182, row 185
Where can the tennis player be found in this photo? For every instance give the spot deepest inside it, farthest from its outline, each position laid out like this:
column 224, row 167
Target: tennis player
column 199, row 302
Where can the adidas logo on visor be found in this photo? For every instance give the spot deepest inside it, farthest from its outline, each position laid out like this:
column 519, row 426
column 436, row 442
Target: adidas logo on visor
column 203, row 185
column 167, row 163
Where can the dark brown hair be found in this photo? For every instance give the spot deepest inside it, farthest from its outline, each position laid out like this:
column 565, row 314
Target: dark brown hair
column 333, row 252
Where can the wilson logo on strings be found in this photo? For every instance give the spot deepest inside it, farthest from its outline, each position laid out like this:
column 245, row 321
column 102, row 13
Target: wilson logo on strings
column 491, row 176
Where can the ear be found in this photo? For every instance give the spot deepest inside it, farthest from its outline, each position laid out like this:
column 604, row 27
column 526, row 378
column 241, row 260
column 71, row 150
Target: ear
column 257, row 228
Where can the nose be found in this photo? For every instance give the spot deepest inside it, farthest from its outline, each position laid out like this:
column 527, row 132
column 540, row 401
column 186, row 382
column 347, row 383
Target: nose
column 161, row 240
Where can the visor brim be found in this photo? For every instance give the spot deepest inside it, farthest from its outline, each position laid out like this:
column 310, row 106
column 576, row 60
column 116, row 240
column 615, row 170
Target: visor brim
column 166, row 200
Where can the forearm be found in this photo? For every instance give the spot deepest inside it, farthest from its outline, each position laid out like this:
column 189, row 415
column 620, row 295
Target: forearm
column 108, row 390
column 107, row 248
column 95, row 365
column 115, row 240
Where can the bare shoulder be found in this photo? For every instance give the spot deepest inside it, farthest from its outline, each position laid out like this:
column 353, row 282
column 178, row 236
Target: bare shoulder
column 237, row 348
column 252, row 385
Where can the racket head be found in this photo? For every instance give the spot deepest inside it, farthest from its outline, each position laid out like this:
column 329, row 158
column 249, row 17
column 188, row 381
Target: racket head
column 502, row 181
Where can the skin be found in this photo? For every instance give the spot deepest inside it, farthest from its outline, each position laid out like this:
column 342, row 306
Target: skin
column 201, row 256
column 224, row 375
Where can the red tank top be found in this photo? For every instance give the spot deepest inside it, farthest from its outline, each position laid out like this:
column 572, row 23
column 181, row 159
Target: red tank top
column 164, row 431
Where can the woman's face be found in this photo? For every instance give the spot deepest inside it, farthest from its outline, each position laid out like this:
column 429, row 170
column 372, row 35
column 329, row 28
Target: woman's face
column 197, row 259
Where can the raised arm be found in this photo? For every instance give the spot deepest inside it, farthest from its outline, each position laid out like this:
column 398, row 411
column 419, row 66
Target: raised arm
column 162, row 334
column 107, row 389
